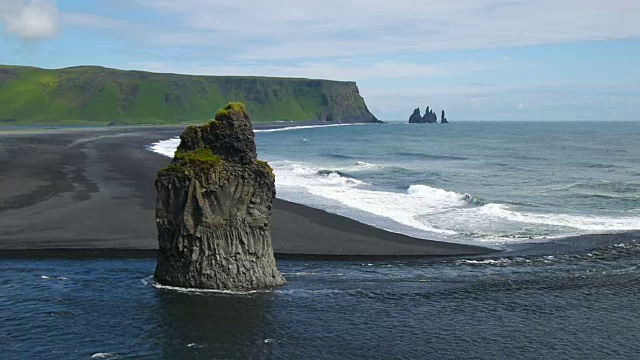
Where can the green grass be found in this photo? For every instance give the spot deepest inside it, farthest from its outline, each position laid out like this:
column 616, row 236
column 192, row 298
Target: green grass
column 202, row 158
column 98, row 96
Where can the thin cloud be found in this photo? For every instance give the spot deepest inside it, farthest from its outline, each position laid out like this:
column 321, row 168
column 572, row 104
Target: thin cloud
column 307, row 29
column 252, row 30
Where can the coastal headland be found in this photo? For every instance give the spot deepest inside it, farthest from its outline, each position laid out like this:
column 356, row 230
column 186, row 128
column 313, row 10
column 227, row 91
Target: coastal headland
column 94, row 95
column 89, row 193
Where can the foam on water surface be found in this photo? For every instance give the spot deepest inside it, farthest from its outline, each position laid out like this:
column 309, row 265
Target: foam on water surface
column 339, row 183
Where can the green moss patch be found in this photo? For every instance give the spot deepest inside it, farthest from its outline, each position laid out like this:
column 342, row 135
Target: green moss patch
column 201, row 158
column 230, row 109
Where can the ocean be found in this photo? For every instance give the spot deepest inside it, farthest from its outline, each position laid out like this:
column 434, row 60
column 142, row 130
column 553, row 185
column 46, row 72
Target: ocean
column 520, row 187
column 479, row 183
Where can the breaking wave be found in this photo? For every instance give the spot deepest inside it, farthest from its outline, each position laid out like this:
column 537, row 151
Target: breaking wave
column 442, row 213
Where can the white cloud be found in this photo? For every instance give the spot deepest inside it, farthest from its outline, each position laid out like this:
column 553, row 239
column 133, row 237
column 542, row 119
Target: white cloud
column 258, row 30
column 520, row 106
column 308, row 29
column 30, row 20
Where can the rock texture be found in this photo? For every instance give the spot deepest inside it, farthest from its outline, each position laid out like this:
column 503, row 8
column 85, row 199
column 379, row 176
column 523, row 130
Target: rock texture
column 415, row 118
column 213, row 209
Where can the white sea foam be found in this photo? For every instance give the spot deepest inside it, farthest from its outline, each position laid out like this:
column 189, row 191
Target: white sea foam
column 435, row 210
column 165, row 147
column 367, row 165
column 289, row 128
column 426, row 208
column 580, row 222
column 503, row 261
column 104, row 356
column 193, row 290
column 56, row 278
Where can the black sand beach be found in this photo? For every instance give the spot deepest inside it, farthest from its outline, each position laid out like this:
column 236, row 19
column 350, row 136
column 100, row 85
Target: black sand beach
column 89, row 192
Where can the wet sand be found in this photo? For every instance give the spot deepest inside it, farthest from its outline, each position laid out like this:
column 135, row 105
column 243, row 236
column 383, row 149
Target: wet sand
column 89, row 192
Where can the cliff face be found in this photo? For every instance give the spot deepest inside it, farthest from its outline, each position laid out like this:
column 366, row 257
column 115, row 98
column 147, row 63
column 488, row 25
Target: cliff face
column 213, row 210
column 100, row 95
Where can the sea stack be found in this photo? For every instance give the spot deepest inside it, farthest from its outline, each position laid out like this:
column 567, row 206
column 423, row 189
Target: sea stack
column 213, row 210
column 443, row 119
column 415, row 118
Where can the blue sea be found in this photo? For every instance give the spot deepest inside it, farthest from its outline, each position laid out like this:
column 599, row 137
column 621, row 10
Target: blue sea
column 476, row 182
column 561, row 199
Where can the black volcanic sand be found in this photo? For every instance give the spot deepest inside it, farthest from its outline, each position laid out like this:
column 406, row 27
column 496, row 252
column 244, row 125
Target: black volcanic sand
column 90, row 192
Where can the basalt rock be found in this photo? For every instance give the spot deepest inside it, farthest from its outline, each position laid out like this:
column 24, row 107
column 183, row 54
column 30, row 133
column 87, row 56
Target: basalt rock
column 415, row 117
column 430, row 117
column 213, row 211
column 443, row 119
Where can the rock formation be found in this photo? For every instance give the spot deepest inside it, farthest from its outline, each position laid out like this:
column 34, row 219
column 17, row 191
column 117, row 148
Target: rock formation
column 213, row 211
column 415, row 118
column 443, row 119
column 429, row 117
column 100, row 95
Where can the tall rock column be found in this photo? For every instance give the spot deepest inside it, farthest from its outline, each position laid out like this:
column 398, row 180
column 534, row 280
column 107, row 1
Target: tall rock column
column 213, row 210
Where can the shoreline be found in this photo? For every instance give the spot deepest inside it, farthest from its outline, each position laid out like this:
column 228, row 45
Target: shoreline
column 65, row 192
column 48, row 129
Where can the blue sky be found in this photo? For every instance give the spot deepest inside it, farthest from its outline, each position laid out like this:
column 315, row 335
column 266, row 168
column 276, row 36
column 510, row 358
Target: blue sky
column 478, row 59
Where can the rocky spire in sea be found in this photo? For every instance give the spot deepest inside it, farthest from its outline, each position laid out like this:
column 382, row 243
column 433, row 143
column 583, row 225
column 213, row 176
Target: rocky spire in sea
column 415, row 117
column 213, row 211
column 429, row 117
column 443, row 119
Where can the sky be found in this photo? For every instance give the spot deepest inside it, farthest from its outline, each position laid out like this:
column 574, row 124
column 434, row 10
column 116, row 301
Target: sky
column 529, row 60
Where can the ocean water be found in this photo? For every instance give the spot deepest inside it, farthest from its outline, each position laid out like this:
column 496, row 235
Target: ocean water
column 575, row 305
column 480, row 183
column 519, row 186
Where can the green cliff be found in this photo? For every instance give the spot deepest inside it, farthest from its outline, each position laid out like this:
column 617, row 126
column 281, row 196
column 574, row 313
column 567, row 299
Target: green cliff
column 96, row 95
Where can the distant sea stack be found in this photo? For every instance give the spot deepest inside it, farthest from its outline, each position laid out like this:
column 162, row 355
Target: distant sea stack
column 213, row 210
column 101, row 96
column 443, row 119
column 429, row 117
column 415, row 118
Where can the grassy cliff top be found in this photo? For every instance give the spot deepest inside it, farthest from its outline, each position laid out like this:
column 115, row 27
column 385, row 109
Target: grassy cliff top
column 99, row 96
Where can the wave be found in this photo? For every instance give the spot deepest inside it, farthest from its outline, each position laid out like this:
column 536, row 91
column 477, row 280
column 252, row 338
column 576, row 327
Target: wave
column 608, row 185
column 453, row 215
column 204, row 291
column 165, row 147
column 337, row 156
column 105, row 356
column 442, row 211
column 302, row 127
column 579, row 222
column 416, row 155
